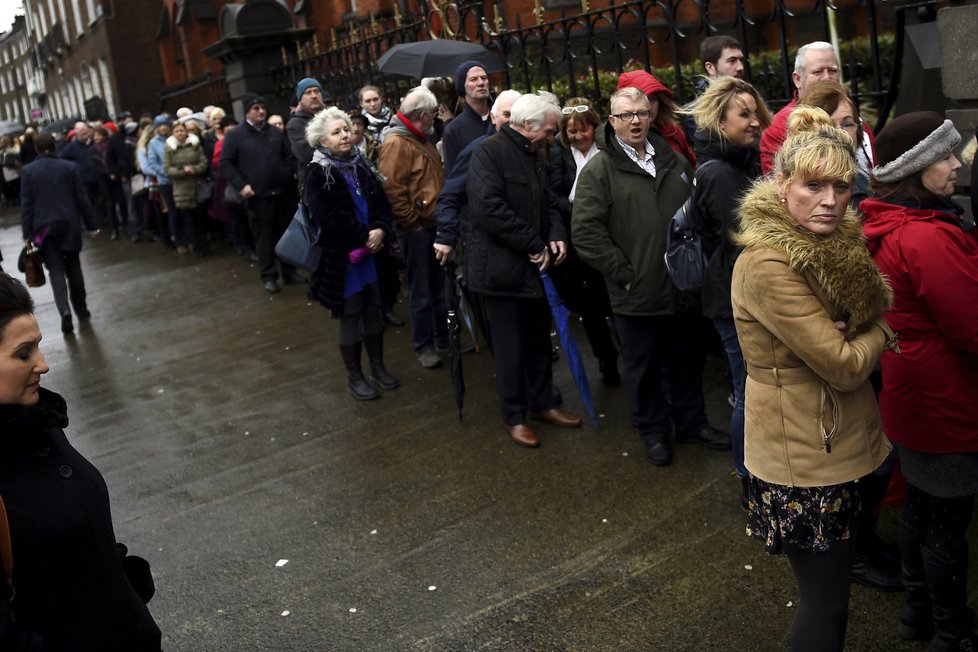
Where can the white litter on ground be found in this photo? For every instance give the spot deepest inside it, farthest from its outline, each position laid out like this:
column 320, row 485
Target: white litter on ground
column 281, row 562
column 285, row 613
column 432, row 587
column 748, row 567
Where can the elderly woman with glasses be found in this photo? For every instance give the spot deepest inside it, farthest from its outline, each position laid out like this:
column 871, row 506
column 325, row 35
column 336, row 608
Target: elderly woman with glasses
column 580, row 285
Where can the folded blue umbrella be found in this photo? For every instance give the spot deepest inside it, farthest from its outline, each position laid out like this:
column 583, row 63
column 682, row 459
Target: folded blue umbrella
column 568, row 342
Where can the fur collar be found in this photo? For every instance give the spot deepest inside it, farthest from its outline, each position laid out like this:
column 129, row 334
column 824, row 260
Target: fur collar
column 840, row 263
column 173, row 143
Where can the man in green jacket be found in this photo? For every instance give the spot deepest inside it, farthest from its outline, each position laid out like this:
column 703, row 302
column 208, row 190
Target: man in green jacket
column 625, row 197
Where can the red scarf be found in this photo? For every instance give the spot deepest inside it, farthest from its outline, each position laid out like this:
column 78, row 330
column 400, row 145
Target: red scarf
column 410, row 127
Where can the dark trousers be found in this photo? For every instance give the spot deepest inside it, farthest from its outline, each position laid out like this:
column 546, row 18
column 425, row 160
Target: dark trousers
column 521, row 355
column 64, row 265
column 426, row 289
column 648, row 344
column 268, row 218
column 118, row 208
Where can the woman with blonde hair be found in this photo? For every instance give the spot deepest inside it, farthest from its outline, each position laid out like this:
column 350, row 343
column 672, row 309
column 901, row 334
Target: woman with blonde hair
column 730, row 116
column 808, row 303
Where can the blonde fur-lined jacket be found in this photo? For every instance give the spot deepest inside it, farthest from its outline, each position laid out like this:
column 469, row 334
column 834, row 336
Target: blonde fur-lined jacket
column 811, row 416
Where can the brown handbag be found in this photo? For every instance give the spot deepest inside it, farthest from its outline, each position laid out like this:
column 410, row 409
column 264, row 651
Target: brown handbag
column 30, row 263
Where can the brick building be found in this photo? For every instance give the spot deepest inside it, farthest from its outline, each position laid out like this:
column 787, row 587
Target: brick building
column 90, row 58
column 14, row 106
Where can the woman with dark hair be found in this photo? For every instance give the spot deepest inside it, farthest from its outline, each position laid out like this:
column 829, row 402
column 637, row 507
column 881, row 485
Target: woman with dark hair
column 184, row 163
column 72, row 587
column 581, row 286
column 808, row 303
column 347, row 201
column 923, row 245
column 729, row 115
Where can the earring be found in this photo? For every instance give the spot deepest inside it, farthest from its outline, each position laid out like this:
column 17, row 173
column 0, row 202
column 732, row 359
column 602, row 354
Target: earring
column 783, row 200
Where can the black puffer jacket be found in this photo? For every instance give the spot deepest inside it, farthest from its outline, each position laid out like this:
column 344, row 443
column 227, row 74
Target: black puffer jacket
column 514, row 216
column 331, row 206
column 70, row 575
column 719, row 187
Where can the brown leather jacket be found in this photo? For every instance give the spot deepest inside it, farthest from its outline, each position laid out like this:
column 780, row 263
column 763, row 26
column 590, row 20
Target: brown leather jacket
column 413, row 177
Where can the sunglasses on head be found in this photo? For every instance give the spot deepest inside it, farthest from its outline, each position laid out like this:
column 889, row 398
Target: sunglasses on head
column 580, row 108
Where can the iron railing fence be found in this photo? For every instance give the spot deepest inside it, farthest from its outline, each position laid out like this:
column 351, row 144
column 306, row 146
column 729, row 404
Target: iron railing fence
column 584, row 49
column 198, row 91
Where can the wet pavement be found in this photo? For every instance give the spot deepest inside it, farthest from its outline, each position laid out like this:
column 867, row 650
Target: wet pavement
column 220, row 418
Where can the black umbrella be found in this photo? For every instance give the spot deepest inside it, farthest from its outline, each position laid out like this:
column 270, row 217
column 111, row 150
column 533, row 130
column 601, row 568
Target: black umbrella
column 61, row 126
column 435, row 58
column 455, row 337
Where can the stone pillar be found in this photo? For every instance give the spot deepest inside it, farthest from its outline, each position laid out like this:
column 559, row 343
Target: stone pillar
column 253, row 36
column 959, row 76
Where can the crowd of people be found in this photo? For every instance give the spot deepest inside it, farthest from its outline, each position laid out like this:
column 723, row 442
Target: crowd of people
column 826, row 397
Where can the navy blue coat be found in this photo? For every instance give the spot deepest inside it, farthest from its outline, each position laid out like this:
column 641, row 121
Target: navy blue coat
column 81, row 155
column 51, row 190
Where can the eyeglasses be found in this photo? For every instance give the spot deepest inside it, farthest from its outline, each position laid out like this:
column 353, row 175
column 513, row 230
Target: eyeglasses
column 579, row 108
column 628, row 116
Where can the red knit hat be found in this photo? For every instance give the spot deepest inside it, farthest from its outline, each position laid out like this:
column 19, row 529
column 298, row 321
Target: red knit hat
column 644, row 82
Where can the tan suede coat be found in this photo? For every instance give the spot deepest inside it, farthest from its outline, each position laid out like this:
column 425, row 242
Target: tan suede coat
column 811, row 417
column 413, row 177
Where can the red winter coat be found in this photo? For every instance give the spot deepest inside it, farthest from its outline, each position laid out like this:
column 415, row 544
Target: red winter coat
column 930, row 391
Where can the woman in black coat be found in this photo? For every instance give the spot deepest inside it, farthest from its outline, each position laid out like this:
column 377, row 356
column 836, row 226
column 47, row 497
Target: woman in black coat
column 347, row 201
column 72, row 586
column 581, row 287
column 730, row 116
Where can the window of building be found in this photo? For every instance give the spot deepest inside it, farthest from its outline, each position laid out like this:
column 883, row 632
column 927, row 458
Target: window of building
column 79, row 24
column 92, row 14
column 164, row 29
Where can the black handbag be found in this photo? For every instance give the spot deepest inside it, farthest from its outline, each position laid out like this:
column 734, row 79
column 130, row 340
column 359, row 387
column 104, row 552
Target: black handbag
column 297, row 246
column 205, row 190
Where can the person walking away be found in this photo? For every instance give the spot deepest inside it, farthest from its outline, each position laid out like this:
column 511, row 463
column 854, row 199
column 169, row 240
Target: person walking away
column 53, row 208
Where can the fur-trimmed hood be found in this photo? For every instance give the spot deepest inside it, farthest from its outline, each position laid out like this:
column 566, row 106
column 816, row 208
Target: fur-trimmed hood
column 192, row 140
column 839, row 262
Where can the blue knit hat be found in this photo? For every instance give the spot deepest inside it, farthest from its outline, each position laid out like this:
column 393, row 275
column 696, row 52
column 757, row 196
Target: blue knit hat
column 462, row 72
column 306, row 84
column 161, row 119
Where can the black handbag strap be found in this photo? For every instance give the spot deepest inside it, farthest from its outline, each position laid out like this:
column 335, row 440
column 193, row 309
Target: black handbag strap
column 6, row 550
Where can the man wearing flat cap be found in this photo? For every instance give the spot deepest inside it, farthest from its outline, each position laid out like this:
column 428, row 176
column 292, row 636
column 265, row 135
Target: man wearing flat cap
column 255, row 162
column 309, row 94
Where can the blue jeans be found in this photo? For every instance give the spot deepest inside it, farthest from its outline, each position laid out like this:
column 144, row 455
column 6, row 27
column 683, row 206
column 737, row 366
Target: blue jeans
column 426, row 289
column 738, row 373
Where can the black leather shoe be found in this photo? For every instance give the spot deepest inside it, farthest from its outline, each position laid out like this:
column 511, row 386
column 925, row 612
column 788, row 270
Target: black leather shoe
column 876, row 572
column 271, row 287
column 291, row 278
column 66, row 325
column 609, row 373
column 658, row 451
column 709, row 437
column 393, row 319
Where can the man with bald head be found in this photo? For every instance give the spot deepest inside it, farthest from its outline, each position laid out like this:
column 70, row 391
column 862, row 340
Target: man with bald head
column 79, row 152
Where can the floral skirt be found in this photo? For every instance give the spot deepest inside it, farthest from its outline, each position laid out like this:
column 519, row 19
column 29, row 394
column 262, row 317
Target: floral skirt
column 800, row 518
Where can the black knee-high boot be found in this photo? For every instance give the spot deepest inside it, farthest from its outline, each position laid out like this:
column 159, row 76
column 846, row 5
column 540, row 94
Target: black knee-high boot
column 357, row 384
column 375, row 353
column 915, row 620
column 947, row 579
column 872, row 566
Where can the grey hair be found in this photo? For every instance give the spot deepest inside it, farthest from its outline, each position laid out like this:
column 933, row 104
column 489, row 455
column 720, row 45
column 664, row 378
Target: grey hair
column 630, row 93
column 808, row 47
column 508, row 94
column 417, row 101
column 550, row 97
column 317, row 127
column 531, row 109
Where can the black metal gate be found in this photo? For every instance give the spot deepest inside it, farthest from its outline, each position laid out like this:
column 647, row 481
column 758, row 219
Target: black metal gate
column 583, row 51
